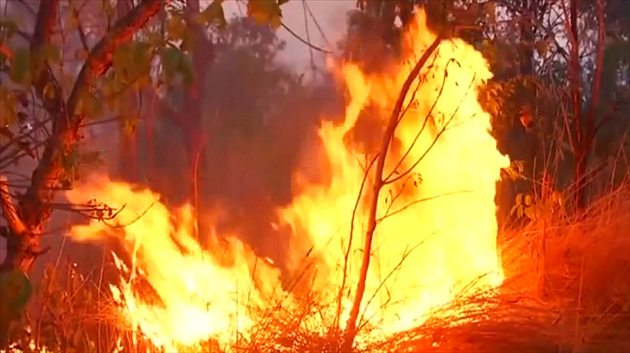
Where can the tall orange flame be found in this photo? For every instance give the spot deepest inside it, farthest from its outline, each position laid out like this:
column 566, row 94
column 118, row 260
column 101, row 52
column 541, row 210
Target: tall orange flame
column 445, row 203
column 436, row 232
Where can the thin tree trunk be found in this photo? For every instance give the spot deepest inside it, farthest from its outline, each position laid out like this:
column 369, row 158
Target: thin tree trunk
column 388, row 135
column 25, row 222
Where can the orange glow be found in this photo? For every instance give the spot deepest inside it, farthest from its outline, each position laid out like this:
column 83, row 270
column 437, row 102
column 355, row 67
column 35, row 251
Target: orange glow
column 458, row 228
column 201, row 298
column 451, row 238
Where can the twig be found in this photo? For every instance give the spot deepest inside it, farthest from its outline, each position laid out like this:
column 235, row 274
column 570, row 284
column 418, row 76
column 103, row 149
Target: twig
column 435, row 140
column 305, row 41
column 388, row 135
column 119, row 226
column 415, row 202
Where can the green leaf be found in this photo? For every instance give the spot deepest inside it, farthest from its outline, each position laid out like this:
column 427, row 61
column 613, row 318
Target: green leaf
column 51, row 53
column 132, row 61
column 16, row 290
column 185, row 69
column 90, row 106
column 170, row 58
column 265, row 12
column 213, row 14
column 20, row 68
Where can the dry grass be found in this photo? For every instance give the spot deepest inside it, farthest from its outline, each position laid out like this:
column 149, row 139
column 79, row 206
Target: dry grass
column 567, row 290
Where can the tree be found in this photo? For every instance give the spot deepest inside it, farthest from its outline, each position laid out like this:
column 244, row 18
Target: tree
column 253, row 122
column 114, row 64
column 26, row 221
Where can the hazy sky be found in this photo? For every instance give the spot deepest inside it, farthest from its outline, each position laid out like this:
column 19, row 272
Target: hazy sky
column 330, row 15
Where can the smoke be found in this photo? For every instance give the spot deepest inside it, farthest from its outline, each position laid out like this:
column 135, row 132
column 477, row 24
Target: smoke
column 260, row 123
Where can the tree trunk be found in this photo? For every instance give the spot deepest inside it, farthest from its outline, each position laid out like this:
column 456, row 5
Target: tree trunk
column 25, row 222
column 388, row 135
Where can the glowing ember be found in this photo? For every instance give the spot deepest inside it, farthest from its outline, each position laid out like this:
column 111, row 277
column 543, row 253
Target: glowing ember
column 447, row 241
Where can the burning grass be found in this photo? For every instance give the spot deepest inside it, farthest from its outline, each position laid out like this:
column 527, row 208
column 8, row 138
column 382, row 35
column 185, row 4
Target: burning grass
column 572, row 297
column 564, row 286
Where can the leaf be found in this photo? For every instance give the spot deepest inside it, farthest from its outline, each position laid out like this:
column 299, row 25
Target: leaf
column 170, row 58
column 16, row 290
column 265, row 12
column 176, row 28
column 519, row 199
column 528, row 200
column 8, row 107
column 213, row 14
column 132, row 61
column 49, row 91
column 51, row 53
column 186, row 70
column 20, row 67
column 542, row 48
column 90, row 106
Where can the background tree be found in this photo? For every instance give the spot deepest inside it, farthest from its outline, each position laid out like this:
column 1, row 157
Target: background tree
column 257, row 115
column 35, row 77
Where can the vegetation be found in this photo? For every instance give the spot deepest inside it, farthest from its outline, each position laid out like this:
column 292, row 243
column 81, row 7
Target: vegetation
column 559, row 100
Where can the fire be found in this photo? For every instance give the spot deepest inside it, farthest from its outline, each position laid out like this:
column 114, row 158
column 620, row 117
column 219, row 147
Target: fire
column 201, row 295
column 436, row 232
column 453, row 233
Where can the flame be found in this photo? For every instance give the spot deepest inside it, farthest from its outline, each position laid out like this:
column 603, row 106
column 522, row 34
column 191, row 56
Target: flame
column 202, row 295
column 455, row 225
column 436, row 232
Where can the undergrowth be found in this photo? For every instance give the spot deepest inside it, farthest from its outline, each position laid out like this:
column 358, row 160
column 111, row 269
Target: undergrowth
column 566, row 290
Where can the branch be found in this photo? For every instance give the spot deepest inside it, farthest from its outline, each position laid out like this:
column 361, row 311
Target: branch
column 81, row 31
column 390, row 180
column 43, row 76
column 415, row 202
column 9, row 211
column 388, row 135
column 66, row 126
column 305, row 41
column 424, row 124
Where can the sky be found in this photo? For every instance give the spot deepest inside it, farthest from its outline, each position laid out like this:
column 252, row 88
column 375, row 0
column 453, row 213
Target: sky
column 329, row 14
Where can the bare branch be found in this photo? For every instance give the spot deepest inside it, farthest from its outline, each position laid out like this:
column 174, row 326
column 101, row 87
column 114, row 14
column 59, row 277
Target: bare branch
column 435, row 140
column 413, row 203
column 66, row 126
column 305, row 41
column 424, row 124
column 9, row 211
column 35, row 206
column 388, row 135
